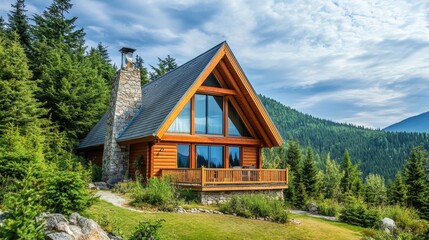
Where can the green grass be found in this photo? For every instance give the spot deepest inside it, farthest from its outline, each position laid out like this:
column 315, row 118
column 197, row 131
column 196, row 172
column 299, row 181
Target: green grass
column 208, row 226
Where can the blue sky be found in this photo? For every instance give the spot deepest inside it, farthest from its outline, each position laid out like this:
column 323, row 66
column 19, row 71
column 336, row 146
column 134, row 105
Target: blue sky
column 361, row 62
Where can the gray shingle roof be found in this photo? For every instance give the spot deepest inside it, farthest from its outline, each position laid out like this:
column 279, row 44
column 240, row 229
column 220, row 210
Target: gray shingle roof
column 159, row 98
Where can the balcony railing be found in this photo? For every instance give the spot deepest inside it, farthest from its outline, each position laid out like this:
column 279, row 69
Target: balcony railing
column 245, row 178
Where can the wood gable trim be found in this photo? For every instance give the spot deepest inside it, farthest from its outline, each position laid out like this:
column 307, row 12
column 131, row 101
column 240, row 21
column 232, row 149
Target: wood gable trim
column 228, row 71
column 185, row 99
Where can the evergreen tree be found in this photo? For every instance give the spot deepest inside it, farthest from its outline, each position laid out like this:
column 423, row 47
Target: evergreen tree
column 18, row 23
column 331, row 179
column 375, row 189
column 309, row 173
column 2, row 26
column 99, row 60
column 415, row 179
column 293, row 155
column 74, row 93
column 18, row 106
column 143, row 70
column 56, row 29
column 164, row 66
column 347, row 174
column 300, row 193
column 399, row 190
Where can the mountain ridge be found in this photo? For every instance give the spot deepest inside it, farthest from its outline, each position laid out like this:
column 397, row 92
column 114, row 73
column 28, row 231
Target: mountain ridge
column 417, row 123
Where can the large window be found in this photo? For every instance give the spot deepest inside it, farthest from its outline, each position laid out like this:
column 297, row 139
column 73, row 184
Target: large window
column 234, row 156
column 183, row 156
column 209, row 156
column 182, row 124
column 236, row 126
column 208, row 114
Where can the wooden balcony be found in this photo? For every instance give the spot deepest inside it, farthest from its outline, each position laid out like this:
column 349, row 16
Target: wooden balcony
column 221, row 179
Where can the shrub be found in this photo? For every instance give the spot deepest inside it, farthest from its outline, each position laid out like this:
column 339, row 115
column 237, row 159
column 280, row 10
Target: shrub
column 257, row 206
column 22, row 209
column 96, row 173
column 187, row 195
column 66, row 192
column 329, row 207
column 406, row 219
column 126, row 187
column 356, row 212
column 158, row 192
column 147, row 229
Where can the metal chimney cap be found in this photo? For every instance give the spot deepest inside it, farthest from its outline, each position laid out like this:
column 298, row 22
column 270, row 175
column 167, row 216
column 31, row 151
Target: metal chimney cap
column 127, row 50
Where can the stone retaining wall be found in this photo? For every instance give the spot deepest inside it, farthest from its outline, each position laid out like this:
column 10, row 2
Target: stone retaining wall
column 223, row 196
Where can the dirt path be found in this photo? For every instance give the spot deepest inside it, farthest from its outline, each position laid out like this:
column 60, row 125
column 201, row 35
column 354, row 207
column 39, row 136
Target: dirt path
column 116, row 200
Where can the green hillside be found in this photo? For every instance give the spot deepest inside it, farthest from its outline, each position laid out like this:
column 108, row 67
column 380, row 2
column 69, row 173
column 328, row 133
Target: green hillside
column 378, row 151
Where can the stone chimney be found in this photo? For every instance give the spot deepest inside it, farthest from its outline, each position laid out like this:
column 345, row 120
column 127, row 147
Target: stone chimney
column 125, row 101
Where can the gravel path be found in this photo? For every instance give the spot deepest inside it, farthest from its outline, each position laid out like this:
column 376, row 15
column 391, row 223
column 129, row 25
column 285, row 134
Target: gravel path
column 299, row 212
column 116, row 200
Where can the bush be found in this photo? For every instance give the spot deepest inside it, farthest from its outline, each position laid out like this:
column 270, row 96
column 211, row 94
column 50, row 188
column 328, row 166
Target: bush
column 66, row 192
column 187, row 195
column 256, row 206
column 329, row 207
column 158, row 192
column 126, row 187
column 406, row 219
column 356, row 212
column 96, row 172
column 22, row 209
column 147, row 230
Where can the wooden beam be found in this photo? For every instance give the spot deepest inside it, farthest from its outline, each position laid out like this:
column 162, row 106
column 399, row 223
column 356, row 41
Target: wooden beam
column 192, row 90
column 138, row 140
column 215, row 91
column 247, row 108
column 206, row 139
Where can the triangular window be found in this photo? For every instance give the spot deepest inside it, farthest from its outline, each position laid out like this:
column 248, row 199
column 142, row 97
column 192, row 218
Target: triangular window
column 211, row 81
column 182, row 124
column 236, row 126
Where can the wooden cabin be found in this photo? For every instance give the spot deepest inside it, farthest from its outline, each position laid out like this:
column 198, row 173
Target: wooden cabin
column 202, row 123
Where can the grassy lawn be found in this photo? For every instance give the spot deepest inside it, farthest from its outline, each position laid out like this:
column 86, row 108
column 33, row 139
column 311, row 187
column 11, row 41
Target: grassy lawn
column 207, row 226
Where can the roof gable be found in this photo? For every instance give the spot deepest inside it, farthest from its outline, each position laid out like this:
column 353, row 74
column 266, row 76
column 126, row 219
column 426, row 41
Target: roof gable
column 164, row 98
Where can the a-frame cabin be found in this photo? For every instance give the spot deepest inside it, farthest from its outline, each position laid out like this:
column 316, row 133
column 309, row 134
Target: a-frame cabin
column 202, row 123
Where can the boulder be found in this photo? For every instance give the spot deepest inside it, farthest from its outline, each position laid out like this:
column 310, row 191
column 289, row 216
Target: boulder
column 90, row 229
column 313, row 208
column 387, row 224
column 59, row 236
column 53, row 220
column 102, row 185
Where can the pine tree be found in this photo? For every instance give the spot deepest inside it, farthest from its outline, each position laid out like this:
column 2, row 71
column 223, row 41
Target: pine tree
column 309, row 173
column 18, row 106
column 57, row 30
column 293, row 155
column 75, row 94
column 300, row 193
column 375, row 189
column 18, row 23
column 347, row 172
column 164, row 66
column 416, row 179
column 399, row 190
column 99, row 60
column 2, row 26
column 331, row 179
column 143, row 70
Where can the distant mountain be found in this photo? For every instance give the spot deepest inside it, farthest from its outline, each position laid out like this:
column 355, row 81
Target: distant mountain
column 419, row 123
column 378, row 151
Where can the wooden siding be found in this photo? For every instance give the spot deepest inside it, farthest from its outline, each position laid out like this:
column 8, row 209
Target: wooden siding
column 164, row 157
column 95, row 156
column 136, row 150
column 250, row 156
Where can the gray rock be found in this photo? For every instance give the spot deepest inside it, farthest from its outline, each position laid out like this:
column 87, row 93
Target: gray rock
column 387, row 224
column 114, row 237
column 92, row 186
column 59, row 236
column 52, row 220
column 102, row 185
column 313, row 208
column 90, row 229
column 76, row 231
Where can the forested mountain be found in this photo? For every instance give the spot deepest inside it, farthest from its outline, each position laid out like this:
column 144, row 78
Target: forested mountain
column 379, row 152
column 419, row 123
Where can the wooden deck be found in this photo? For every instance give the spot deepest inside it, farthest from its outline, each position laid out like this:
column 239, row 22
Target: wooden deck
column 221, row 179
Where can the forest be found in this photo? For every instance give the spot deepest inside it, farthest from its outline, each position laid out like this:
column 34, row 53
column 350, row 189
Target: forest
column 377, row 151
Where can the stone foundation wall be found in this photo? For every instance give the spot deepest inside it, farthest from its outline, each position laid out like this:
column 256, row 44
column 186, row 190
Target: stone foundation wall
column 223, row 196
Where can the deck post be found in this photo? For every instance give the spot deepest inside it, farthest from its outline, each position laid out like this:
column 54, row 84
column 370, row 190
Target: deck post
column 203, row 176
